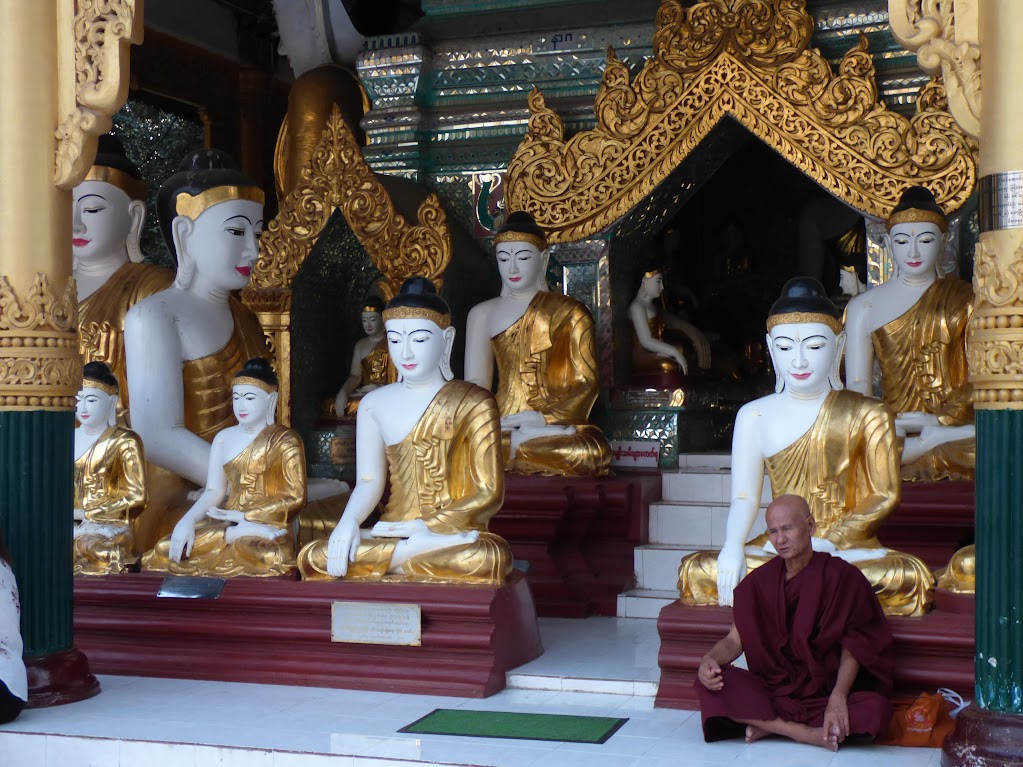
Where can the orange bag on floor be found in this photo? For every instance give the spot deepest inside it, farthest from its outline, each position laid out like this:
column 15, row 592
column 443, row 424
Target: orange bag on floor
column 923, row 723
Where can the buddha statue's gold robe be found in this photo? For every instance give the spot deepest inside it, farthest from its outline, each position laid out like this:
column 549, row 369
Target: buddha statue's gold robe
column 376, row 369
column 547, row 362
column 110, row 487
column 846, row 466
column 447, row 472
column 960, row 574
column 101, row 317
column 647, row 363
column 922, row 355
column 208, row 411
column 267, row 483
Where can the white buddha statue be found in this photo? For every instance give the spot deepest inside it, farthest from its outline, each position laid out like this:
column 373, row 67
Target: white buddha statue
column 370, row 362
column 651, row 354
column 107, row 219
column 110, row 479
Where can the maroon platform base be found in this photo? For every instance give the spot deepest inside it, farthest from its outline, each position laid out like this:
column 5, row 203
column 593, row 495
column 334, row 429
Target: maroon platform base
column 984, row 738
column 59, row 678
column 277, row 631
column 578, row 536
column 933, row 651
column 932, row 521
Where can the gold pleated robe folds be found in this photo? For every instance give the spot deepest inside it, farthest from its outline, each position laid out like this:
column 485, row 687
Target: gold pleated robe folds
column 547, row 362
column 376, row 369
column 646, row 362
column 110, row 487
column 101, row 318
column 267, row 483
column 447, row 472
column 922, row 355
column 846, row 466
column 208, row 411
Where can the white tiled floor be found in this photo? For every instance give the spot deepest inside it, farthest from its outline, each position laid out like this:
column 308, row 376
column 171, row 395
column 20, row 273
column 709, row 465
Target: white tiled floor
column 140, row 722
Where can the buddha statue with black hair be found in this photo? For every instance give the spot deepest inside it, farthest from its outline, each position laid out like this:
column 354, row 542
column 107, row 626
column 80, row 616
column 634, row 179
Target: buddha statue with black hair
column 371, row 365
column 833, row 447
column 437, row 443
column 544, row 347
column 184, row 344
column 241, row 524
column 109, row 479
column 107, row 220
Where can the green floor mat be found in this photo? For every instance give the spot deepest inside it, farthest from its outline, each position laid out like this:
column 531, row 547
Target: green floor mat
column 506, row 724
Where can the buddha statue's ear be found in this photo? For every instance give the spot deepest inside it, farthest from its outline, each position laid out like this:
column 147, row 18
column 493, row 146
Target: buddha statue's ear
column 445, row 360
column 938, row 268
column 271, row 413
column 835, row 377
column 181, row 229
column 112, row 411
column 779, row 380
column 541, row 280
column 886, row 239
column 137, row 213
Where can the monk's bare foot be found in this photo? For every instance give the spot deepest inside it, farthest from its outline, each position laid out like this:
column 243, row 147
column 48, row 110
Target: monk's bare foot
column 814, row 736
column 754, row 733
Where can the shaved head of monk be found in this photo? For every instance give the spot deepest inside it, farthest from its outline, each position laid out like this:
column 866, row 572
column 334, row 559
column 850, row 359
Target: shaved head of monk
column 790, row 526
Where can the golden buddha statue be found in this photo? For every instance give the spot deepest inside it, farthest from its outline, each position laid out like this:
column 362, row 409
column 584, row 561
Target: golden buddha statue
column 545, row 350
column 438, row 442
column 256, row 486
column 652, row 355
column 915, row 325
column 835, row 448
column 108, row 216
column 110, row 479
column 371, row 364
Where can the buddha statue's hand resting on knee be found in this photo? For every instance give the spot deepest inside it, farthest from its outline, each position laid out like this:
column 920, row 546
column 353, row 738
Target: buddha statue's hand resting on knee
column 544, row 348
column 835, row 448
column 438, row 440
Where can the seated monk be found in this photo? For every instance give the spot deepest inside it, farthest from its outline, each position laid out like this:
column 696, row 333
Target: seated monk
column 834, row 447
column 256, row 486
column 545, row 351
column 915, row 325
column 817, row 644
column 440, row 442
column 110, row 479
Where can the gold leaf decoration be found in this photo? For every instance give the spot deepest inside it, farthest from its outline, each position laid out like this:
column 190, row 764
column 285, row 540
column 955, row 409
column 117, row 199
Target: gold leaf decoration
column 750, row 60
column 995, row 348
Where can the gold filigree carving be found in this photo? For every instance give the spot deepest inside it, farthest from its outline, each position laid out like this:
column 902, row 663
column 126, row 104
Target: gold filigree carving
column 338, row 177
column 995, row 348
column 946, row 37
column 752, row 63
column 94, row 38
column 40, row 367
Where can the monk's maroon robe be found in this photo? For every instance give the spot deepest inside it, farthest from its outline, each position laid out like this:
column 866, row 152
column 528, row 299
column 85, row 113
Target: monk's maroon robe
column 792, row 633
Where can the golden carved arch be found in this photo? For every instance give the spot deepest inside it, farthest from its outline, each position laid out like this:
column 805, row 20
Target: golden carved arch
column 750, row 60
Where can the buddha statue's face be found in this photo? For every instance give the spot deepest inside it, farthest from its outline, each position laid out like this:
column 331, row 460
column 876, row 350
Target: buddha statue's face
column 252, row 406
column 94, row 408
column 221, row 244
column 372, row 322
column 804, row 356
column 418, row 347
column 520, row 265
column 653, row 286
column 849, row 282
column 102, row 220
column 916, row 247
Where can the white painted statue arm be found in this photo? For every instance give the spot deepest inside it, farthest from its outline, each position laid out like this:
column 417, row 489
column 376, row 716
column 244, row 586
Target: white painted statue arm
column 928, row 433
column 859, row 352
column 479, row 357
column 371, row 477
column 183, row 535
column 648, row 342
column 694, row 334
column 747, row 485
column 352, row 382
column 153, row 360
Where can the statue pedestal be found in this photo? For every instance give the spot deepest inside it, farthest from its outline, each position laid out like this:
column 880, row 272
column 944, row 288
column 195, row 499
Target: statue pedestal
column 578, row 535
column 933, row 651
column 932, row 521
column 278, row 631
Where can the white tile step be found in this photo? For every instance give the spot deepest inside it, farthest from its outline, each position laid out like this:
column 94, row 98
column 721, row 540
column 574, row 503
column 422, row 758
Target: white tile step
column 701, row 487
column 705, row 460
column 693, row 526
column 644, row 603
column 657, row 566
column 581, row 684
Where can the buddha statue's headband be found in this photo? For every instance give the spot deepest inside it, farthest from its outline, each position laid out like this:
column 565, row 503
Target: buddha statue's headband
column 535, row 240
column 651, row 273
column 913, row 215
column 92, row 383
column 193, row 206
column 803, row 318
column 136, row 189
column 370, row 308
column 442, row 321
column 251, row 381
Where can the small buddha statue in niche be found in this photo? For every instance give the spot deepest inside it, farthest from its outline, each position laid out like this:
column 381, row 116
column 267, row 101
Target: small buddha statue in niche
column 915, row 324
column 651, row 354
column 834, row 447
column 184, row 344
column 110, row 479
column 370, row 361
column 439, row 443
column 544, row 346
column 256, row 486
column 107, row 219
